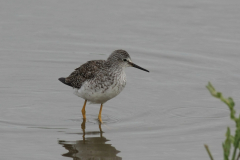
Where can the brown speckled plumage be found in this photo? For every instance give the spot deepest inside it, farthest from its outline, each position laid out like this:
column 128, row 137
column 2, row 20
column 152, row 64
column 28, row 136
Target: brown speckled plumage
column 84, row 72
column 98, row 81
column 99, row 68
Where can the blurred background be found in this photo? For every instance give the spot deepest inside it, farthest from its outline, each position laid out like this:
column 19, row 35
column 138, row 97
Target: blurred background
column 165, row 114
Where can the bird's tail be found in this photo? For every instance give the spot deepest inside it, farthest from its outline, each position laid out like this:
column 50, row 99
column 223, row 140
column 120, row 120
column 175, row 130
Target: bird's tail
column 63, row 81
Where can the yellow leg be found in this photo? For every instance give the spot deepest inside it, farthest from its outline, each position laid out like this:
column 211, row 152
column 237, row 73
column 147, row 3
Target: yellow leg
column 83, row 110
column 100, row 112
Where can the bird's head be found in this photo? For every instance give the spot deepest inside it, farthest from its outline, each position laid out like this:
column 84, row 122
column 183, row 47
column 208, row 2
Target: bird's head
column 122, row 58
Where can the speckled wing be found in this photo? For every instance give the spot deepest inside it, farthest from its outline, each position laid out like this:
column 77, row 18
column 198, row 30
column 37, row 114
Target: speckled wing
column 84, row 72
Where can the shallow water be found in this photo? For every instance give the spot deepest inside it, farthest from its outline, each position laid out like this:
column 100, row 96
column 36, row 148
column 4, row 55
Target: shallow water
column 165, row 114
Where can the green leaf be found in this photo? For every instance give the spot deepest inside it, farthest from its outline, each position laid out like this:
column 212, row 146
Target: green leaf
column 208, row 151
column 231, row 139
column 227, row 145
column 237, row 138
column 228, row 101
column 231, row 102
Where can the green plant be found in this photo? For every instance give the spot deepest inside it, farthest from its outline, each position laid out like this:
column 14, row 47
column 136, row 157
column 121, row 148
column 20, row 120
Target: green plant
column 230, row 140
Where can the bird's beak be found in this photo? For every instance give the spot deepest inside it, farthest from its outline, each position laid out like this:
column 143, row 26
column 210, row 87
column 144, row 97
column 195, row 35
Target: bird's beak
column 136, row 66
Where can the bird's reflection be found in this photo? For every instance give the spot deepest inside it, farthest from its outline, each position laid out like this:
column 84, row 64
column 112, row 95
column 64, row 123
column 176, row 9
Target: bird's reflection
column 90, row 147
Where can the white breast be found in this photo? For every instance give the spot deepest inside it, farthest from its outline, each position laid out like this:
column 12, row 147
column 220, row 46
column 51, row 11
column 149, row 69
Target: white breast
column 100, row 91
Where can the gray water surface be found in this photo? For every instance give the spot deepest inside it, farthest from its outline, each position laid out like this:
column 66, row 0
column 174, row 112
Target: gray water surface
column 165, row 114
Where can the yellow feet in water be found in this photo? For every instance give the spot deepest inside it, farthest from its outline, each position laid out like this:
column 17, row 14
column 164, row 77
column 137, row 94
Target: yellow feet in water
column 84, row 112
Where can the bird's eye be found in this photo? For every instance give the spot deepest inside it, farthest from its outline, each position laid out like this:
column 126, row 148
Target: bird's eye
column 124, row 59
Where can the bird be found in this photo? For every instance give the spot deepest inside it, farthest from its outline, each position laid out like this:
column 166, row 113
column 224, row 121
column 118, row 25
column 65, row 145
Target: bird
column 98, row 81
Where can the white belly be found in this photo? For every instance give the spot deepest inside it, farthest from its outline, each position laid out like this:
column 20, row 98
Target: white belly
column 96, row 94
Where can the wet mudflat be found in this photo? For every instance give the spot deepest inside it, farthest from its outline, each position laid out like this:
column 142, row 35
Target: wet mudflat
column 165, row 114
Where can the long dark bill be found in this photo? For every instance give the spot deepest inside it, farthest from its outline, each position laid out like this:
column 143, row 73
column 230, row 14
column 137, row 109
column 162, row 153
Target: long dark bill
column 136, row 66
